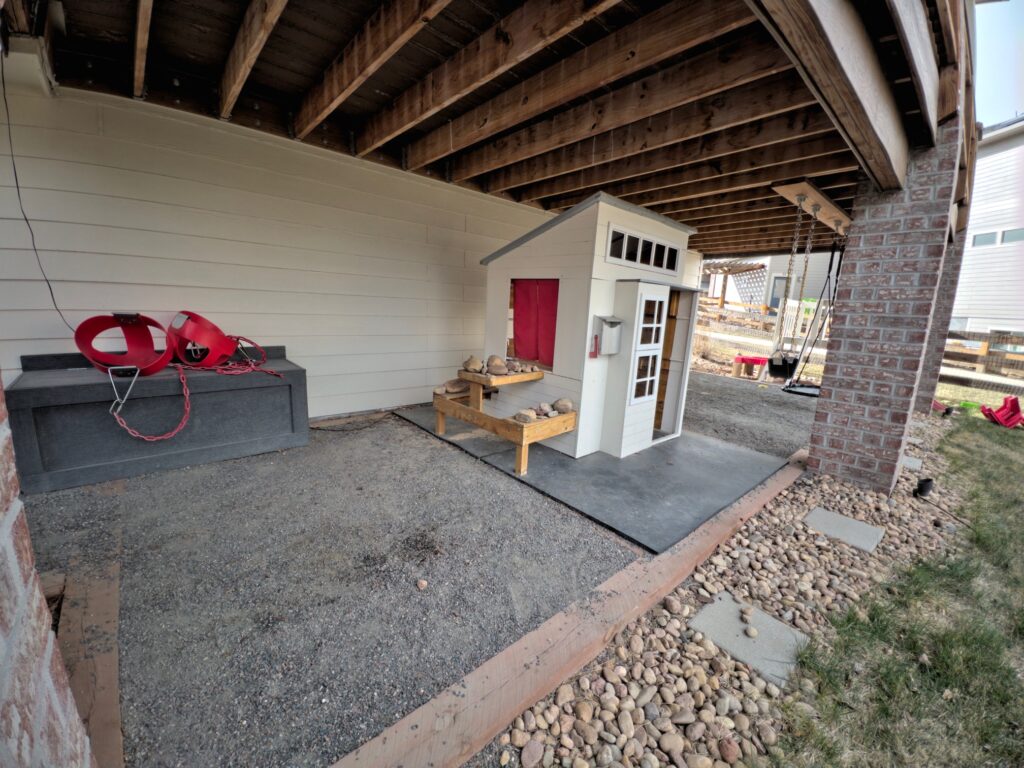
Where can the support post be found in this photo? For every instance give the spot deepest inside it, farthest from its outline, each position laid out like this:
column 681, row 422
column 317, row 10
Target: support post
column 881, row 321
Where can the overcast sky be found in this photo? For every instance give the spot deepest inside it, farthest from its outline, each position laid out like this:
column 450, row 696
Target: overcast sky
column 999, row 70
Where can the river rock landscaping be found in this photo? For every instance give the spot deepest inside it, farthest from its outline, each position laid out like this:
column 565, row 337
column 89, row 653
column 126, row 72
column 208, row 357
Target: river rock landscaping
column 663, row 694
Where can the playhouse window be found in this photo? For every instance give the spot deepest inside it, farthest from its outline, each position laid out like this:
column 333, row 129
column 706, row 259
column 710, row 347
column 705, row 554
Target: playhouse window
column 646, row 379
column 642, row 251
column 534, row 305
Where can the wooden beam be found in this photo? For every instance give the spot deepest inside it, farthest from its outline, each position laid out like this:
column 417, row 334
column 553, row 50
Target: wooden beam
column 143, row 15
column 915, row 33
column 761, row 211
column 17, row 16
column 390, row 27
column 651, row 39
column 760, row 133
column 814, row 166
column 752, row 249
column 738, row 223
column 949, row 29
column 528, row 29
column 764, row 233
column 783, row 241
column 833, row 51
column 755, row 196
column 260, row 18
column 722, row 168
column 758, row 100
column 828, row 213
column 737, row 63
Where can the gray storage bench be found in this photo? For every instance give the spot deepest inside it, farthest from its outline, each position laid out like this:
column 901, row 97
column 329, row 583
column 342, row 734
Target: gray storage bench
column 65, row 436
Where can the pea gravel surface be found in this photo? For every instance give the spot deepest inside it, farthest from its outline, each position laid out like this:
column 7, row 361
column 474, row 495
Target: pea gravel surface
column 270, row 613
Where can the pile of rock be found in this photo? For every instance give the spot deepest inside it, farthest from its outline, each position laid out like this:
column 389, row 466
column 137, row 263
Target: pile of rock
column 497, row 366
column 545, row 411
column 453, row 387
column 664, row 695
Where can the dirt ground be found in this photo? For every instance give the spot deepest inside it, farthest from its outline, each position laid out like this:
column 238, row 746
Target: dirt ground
column 269, row 606
column 739, row 411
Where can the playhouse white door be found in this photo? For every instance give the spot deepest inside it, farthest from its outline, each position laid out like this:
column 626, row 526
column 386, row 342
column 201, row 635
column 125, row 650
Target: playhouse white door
column 647, row 350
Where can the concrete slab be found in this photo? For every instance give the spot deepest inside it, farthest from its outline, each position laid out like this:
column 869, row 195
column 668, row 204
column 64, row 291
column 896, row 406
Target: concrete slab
column 772, row 653
column 653, row 498
column 913, row 463
column 854, row 532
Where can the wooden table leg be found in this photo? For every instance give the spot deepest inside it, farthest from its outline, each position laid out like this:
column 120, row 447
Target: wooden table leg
column 439, row 424
column 737, row 369
column 522, row 459
column 476, row 396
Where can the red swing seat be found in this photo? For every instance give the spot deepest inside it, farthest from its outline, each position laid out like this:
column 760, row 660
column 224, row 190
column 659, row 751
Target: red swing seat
column 1007, row 415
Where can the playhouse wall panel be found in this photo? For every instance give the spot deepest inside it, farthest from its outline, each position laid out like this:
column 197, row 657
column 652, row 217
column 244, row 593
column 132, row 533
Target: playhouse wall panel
column 369, row 275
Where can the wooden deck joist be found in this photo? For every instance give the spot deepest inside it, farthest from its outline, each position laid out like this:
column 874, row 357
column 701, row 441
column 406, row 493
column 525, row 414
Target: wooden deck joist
column 764, row 158
column 532, row 26
column 392, row 26
column 782, row 94
column 742, row 200
column 651, row 39
column 143, row 17
column 260, row 18
column 754, row 135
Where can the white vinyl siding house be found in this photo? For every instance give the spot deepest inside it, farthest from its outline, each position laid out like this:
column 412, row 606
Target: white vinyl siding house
column 990, row 295
column 370, row 276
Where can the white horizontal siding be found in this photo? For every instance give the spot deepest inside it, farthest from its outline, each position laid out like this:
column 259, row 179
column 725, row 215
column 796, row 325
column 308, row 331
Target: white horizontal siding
column 991, row 289
column 370, row 276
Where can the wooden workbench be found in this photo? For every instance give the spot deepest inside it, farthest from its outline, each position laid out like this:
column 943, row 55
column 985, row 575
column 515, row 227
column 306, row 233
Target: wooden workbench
column 516, row 432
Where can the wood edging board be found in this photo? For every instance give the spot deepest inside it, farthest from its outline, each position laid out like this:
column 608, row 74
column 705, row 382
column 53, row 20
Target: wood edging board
column 459, row 722
column 89, row 647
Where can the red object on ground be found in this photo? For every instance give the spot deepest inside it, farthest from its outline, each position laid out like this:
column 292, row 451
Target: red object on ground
column 750, row 360
column 1007, row 415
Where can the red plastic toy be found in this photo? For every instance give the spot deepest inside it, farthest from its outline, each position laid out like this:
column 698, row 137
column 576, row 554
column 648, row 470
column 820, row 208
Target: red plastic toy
column 1007, row 415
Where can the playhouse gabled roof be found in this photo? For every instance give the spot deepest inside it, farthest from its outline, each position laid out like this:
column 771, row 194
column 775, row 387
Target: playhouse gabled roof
column 597, row 197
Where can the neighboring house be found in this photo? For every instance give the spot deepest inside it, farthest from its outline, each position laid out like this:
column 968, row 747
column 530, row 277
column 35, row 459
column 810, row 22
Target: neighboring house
column 990, row 294
column 765, row 286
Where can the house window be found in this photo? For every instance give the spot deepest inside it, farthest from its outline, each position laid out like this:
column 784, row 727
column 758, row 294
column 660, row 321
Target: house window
column 1013, row 236
column 534, row 315
column 647, row 359
column 644, row 252
column 986, row 238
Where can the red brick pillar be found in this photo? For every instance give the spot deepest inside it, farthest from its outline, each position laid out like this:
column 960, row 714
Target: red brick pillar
column 883, row 311
column 39, row 723
column 944, row 300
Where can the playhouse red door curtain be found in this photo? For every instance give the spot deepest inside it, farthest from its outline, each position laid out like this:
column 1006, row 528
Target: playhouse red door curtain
column 534, row 312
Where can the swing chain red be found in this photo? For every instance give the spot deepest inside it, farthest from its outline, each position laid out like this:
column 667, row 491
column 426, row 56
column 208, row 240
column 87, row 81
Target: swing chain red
column 229, row 368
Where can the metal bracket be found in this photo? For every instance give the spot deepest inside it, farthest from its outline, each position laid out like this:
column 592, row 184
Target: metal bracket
column 119, row 400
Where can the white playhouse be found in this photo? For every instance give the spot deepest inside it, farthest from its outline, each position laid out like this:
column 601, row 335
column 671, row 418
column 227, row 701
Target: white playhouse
column 603, row 298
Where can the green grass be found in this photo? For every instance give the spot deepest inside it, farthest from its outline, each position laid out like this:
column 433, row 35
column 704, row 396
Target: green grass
column 929, row 671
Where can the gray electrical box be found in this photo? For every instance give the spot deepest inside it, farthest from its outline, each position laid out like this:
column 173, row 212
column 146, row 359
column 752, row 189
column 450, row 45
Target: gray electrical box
column 609, row 334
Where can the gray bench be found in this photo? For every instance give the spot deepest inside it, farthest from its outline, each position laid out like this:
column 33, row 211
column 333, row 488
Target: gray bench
column 64, row 435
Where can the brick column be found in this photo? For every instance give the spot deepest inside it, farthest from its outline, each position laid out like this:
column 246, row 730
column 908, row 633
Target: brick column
column 881, row 319
column 39, row 723
column 936, row 345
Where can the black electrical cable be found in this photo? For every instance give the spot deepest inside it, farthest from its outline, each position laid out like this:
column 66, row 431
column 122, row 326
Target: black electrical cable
column 17, row 187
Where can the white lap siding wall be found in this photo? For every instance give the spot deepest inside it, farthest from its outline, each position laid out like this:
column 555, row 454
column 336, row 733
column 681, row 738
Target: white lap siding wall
column 370, row 276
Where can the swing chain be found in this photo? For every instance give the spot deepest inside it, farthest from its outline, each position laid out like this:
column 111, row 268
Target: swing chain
column 784, row 301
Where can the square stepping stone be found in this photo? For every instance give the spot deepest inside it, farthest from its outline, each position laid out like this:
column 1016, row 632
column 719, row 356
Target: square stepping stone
column 854, row 532
column 772, row 652
column 912, row 463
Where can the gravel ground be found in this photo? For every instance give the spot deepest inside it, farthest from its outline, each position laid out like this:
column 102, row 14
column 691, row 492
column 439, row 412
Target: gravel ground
column 741, row 412
column 270, row 613
column 662, row 694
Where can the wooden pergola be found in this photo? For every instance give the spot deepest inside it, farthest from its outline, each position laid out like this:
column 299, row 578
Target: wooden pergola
column 692, row 108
